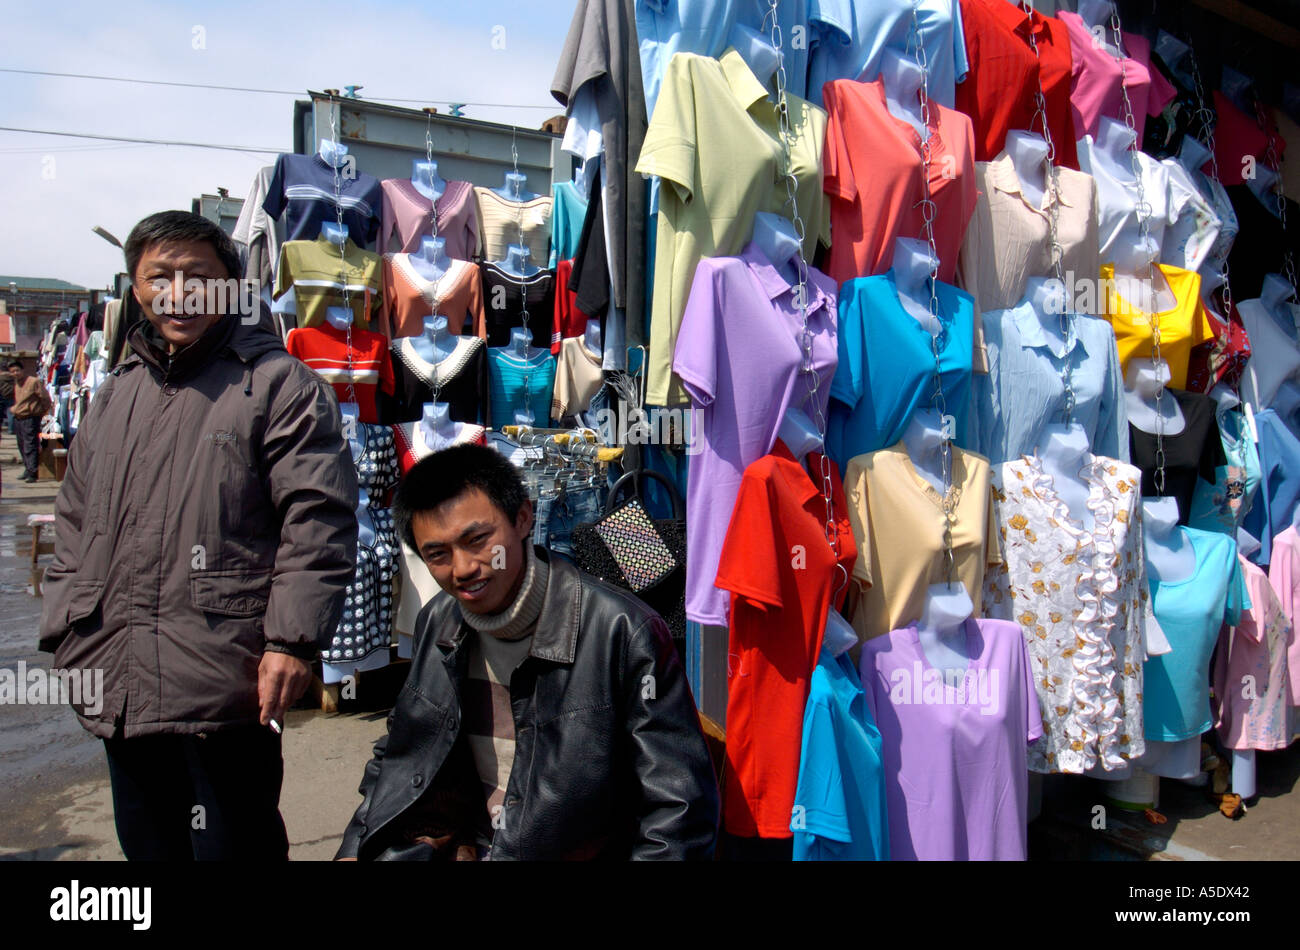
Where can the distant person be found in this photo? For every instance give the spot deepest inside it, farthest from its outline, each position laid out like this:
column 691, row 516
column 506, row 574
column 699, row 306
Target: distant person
column 204, row 539
column 545, row 715
column 6, row 399
column 31, row 403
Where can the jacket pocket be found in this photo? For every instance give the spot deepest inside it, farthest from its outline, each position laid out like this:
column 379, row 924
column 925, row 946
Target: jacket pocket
column 83, row 600
column 235, row 593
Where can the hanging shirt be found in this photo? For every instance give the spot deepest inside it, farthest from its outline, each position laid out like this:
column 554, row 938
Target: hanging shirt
column 1255, row 653
column 778, row 613
column 848, row 45
column 898, row 526
column 319, row 273
column 1279, row 483
column 1099, row 79
column 886, row 366
column 1275, row 353
column 1024, row 390
column 738, row 356
column 568, row 209
column 715, row 143
column 302, row 188
column 520, row 384
column 1216, row 196
column 412, row 445
column 1192, row 455
column 1080, row 598
column 1222, row 505
column 840, row 808
column 954, row 753
column 1238, row 136
column 1176, row 703
column 999, row 92
column 577, row 378
column 1284, row 578
column 1008, row 240
column 506, row 299
column 346, row 359
column 459, row 379
column 874, row 179
column 1167, row 197
column 1262, row 243
column 1189, row 239
column 568, row 319
column 501, row 220
column 256, row 232
column 409, row 297
column 1182, row 326
column 1222, row 359
column 409, row 216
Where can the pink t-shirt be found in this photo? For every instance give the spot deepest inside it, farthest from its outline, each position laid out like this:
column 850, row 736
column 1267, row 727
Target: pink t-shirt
column 410, row 216
column 955, row 755
column 1097, row 86
column 1284, row 577
column 1250, row 670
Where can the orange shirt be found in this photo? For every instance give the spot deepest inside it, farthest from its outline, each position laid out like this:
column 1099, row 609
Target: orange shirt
column 874, row 179
column 1182, row 327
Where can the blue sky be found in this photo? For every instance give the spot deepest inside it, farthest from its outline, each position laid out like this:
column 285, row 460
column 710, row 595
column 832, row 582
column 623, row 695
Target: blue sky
column 55, row 189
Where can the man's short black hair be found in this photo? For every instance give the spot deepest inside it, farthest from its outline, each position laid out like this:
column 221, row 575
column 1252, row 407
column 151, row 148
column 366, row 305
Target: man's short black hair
column 180, row 226
column 14, row 362
column 445, row 475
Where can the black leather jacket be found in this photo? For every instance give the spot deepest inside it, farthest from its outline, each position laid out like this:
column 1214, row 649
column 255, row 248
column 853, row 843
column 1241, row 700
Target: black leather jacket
column 610, row 761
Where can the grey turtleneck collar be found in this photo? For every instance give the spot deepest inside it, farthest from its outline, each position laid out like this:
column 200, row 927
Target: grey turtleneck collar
column 519, row 618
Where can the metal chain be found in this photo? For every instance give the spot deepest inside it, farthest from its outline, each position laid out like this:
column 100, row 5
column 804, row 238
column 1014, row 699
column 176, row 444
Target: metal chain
column 1209, row 121
column 428, row 156
column 948, row 504
column 1053, row 217
column 343, row 258
column 806, row 368
column 1143, row 210
column 519, row 222
column 1273, row 161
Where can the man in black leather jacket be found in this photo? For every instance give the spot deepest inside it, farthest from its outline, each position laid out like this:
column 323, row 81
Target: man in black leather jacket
column 545, row 716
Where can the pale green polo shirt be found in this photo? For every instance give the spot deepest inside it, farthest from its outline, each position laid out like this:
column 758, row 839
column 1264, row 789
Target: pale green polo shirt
column 714, row 140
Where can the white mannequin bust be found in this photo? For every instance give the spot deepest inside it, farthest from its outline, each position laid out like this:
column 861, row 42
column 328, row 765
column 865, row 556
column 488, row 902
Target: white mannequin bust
column 1028, row 153
column 925, row 444
column 1170, row 557
column 799, row 434
column 1049, row 299
column 430, row 260
column 941, row 628
column 1063, row 450
column 776, row 238
column 436, row 342
column 1143, row 379
column 436, row 424
column 903, row 79
column 365, row 527
column 913, row 265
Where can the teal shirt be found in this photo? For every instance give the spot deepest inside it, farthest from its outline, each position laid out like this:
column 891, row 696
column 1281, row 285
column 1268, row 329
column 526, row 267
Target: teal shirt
column 514, row 384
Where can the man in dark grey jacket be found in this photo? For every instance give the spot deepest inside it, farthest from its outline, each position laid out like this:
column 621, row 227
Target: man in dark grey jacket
column 204, row 539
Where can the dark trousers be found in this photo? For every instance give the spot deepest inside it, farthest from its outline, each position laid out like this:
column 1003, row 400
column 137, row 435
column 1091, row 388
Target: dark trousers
column 28, row 432
column 208, row 797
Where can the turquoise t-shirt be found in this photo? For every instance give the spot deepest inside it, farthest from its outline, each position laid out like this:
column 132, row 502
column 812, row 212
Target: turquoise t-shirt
column 1222, row 506
column 1176, row 685
column 568, row 210
column 886, row 366
column 839, row 804
column 514, row 384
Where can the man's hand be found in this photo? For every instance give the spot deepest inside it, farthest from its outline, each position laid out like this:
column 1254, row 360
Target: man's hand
column 281, row 679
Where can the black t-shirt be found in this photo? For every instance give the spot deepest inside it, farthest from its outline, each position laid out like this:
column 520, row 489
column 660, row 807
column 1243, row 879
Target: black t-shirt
column 1194, row 453
column 461, row 377
column 504, row 296
column 590, row 278
column 1261, row 242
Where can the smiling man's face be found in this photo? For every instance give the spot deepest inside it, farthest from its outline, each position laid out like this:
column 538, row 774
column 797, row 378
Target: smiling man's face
column 159, row 284
column 474, row 552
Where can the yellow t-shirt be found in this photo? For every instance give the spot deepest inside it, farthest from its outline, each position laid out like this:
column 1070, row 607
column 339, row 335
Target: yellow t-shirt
column 898, row 524
column 1181, row 328
column 715, row 142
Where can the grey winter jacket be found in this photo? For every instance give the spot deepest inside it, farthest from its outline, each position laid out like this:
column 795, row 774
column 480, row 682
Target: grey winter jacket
column 207, row 515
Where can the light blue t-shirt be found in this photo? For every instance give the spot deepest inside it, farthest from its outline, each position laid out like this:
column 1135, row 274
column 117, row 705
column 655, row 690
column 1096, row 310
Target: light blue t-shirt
column 886, row 366
column 568, row 209
column 1279, row 483
column 1223, row 506
column 1175, row 689
column 1024, row 390
column 514, row 384
column 839, row 804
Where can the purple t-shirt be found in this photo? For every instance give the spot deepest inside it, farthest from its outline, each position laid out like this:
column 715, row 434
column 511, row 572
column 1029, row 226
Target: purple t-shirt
column 956, row 769
column 738, row 356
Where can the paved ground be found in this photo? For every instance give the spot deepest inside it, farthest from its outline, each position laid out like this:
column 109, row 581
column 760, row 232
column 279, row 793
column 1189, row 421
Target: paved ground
column 55, row 800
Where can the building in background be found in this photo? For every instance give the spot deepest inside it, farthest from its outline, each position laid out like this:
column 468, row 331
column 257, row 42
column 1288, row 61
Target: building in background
column 31, row 304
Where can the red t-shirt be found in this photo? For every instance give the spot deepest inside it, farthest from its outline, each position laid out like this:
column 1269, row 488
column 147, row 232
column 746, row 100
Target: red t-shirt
column 781, row 573
column 325, row 350
column 873, row 175
column 569, row 320
column 998, row 92
column 1236, row 136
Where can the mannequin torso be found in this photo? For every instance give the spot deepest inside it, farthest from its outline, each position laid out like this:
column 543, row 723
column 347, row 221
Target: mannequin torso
column 436, row 342
column 903, row 78
column 1142, row 381
column 1170, row 557
column 424, row 176
column 518, row 262
column 1028, row 153
column 1063, row 452
column 430, row 260
column 776, row 238
column 515, row 188
column 913, row 265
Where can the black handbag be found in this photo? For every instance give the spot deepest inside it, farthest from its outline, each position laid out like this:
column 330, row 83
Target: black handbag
column 644, row 556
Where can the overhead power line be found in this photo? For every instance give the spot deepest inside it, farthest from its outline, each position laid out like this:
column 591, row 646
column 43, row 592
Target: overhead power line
column 270, row 92
column 122, row 138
